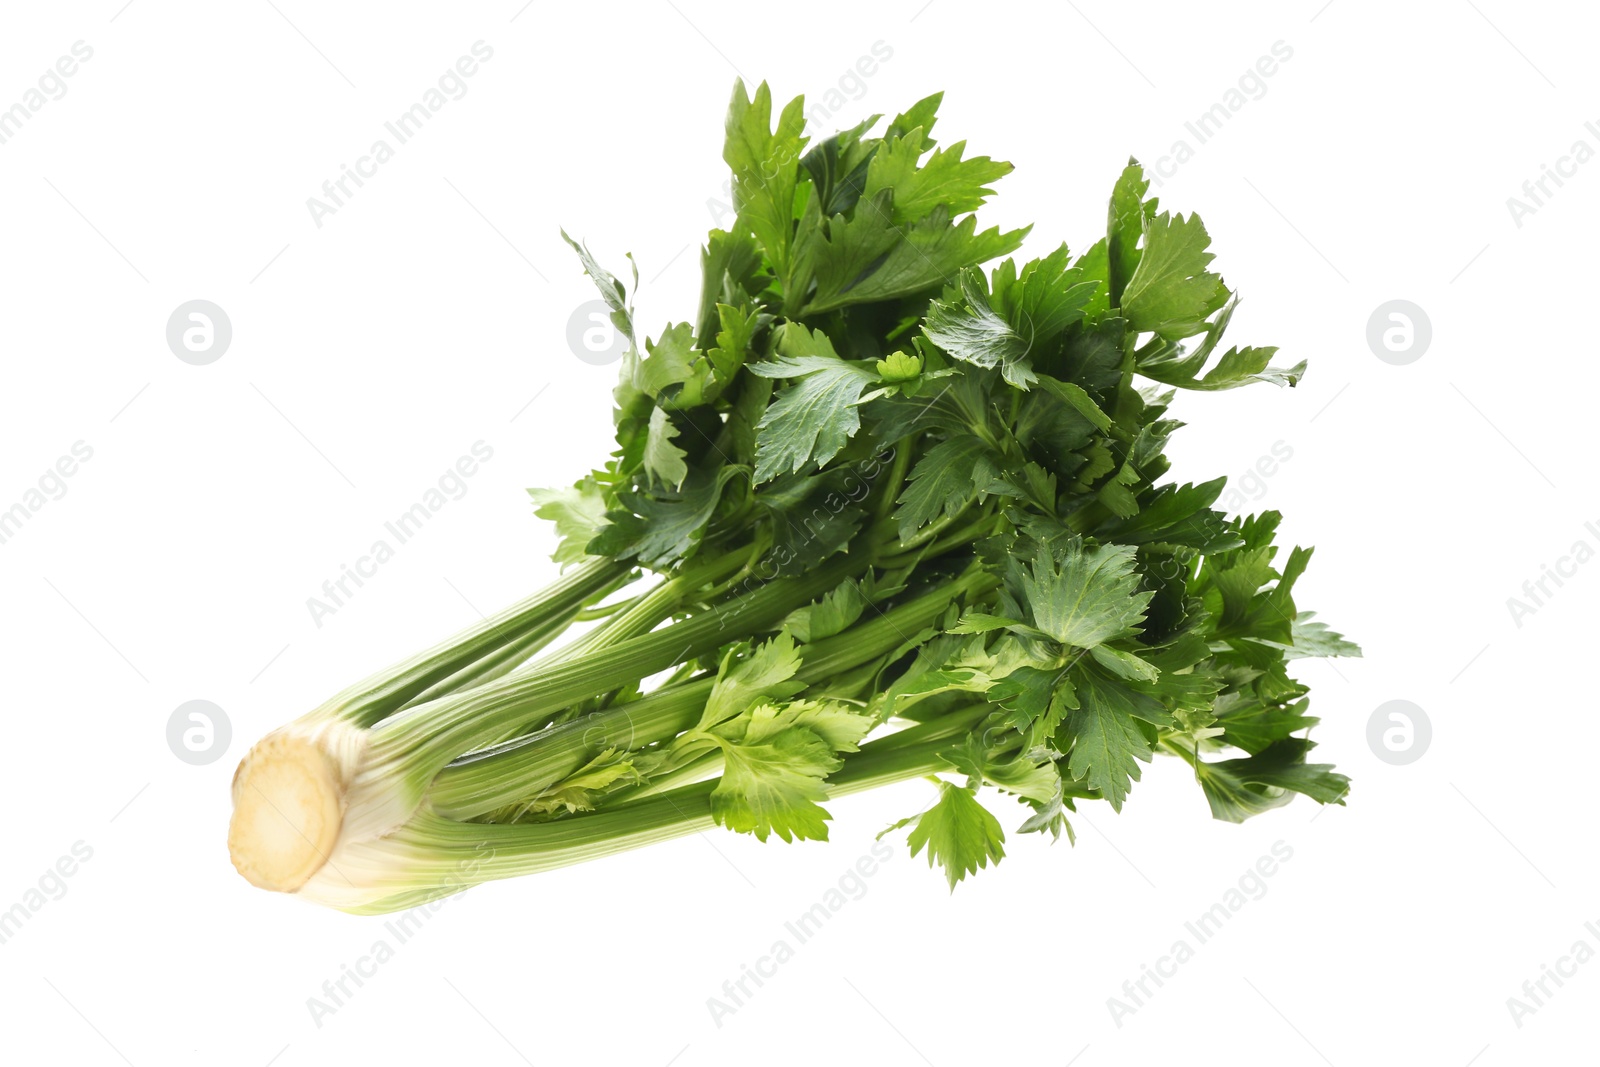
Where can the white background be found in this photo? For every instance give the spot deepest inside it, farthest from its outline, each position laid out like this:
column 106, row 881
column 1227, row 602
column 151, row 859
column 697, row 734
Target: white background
column 431, row 312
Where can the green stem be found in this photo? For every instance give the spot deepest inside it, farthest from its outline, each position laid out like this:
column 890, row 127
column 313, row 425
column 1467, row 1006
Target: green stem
column 383, row 694
column 452, row 855
column 425, row 738
column 759, row 546
column 519, row 770
column 605, row 611
column 513, row 773
column 706, row 765
column 1178, row 748
column 896, row 479
column 651, row 609
column 963, row 536
column 928, row 532
column 495, row 665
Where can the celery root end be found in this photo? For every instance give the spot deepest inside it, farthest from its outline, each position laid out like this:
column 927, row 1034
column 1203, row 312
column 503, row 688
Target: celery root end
column 288, row 807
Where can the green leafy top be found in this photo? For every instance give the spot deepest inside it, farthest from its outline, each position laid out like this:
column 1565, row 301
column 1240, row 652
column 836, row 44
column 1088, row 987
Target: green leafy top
column 859, row 395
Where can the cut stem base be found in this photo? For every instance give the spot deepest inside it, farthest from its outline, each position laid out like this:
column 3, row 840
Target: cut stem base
column 288, row 807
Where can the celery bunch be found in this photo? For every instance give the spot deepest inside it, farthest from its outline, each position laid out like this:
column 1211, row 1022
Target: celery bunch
column 874, row 513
